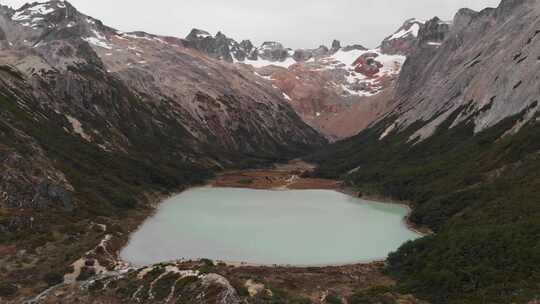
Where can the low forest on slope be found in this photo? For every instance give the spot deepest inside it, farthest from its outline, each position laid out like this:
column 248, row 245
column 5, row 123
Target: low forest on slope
column 480, row 193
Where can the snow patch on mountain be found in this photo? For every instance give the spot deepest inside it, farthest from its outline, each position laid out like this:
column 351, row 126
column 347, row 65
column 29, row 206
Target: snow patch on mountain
column 411, row 31
column 287, row 97
column 358, row 81
column 346, row 58
column 99, row 40
column 263, row 63
column 30, row 12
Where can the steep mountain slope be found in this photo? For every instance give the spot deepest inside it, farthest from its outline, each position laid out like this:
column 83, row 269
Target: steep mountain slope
column 337, row 90
column 461, row 144
column 50, row 39
column 95, row 123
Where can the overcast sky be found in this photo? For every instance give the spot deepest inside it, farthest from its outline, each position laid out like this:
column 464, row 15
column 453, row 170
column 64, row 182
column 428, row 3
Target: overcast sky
column 295, row 23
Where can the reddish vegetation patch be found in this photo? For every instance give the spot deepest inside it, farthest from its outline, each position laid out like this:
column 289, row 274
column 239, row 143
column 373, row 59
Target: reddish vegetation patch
column 367, row 65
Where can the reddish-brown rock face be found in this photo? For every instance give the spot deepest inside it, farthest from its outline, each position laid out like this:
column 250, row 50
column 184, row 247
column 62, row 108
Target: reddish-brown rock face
column 339, row 94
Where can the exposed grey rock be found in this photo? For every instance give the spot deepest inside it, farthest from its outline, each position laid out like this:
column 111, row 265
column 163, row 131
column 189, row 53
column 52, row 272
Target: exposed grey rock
column 484, row 67
column 404, row 39
column 301, row 55
column 508, row 7
column 354, row 47
column 273, row 51
column 218, row 47
column 49, row 193
column 336, row 46
column 242, row 51
column 225, row 48
column 197, row 34
column 226, row 294
column 321, row 51
column 432, row 33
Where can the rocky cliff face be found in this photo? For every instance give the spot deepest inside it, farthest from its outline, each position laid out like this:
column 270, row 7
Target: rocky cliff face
column 481, row 70
column 461, row 142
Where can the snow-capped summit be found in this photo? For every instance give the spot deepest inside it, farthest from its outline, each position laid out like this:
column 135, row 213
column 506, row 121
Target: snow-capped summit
column 402, row 41
column 39, row 15
column 268, row 53
column 36, row 24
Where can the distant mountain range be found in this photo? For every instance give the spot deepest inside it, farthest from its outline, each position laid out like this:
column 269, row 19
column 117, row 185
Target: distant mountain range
column 337, row 90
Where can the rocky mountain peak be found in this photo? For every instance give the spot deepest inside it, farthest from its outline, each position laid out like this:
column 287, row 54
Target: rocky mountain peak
column 197, row 34
column 247, row 45
column 463, row 18
column 433, row 32
column 55, row 30
column 402, row 41
column 354, row 47
column 44, row 14
column 220, row 35
column 273, row 51
column 218, row 47
column 40, row 22
column 6, row 10
column 336, row 45
column 268, row 53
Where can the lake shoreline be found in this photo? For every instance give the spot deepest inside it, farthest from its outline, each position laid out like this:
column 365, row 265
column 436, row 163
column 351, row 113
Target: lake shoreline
column 280, row 178
column 367, row 273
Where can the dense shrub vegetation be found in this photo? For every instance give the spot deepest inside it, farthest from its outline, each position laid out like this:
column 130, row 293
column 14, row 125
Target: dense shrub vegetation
column 480, row 193
column 104, row 181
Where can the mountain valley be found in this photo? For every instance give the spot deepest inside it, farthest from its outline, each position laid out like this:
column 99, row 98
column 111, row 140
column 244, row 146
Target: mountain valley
column 98, row 126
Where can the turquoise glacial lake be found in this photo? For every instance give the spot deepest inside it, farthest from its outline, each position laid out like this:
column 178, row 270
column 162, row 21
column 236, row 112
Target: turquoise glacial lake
column 289, row 227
